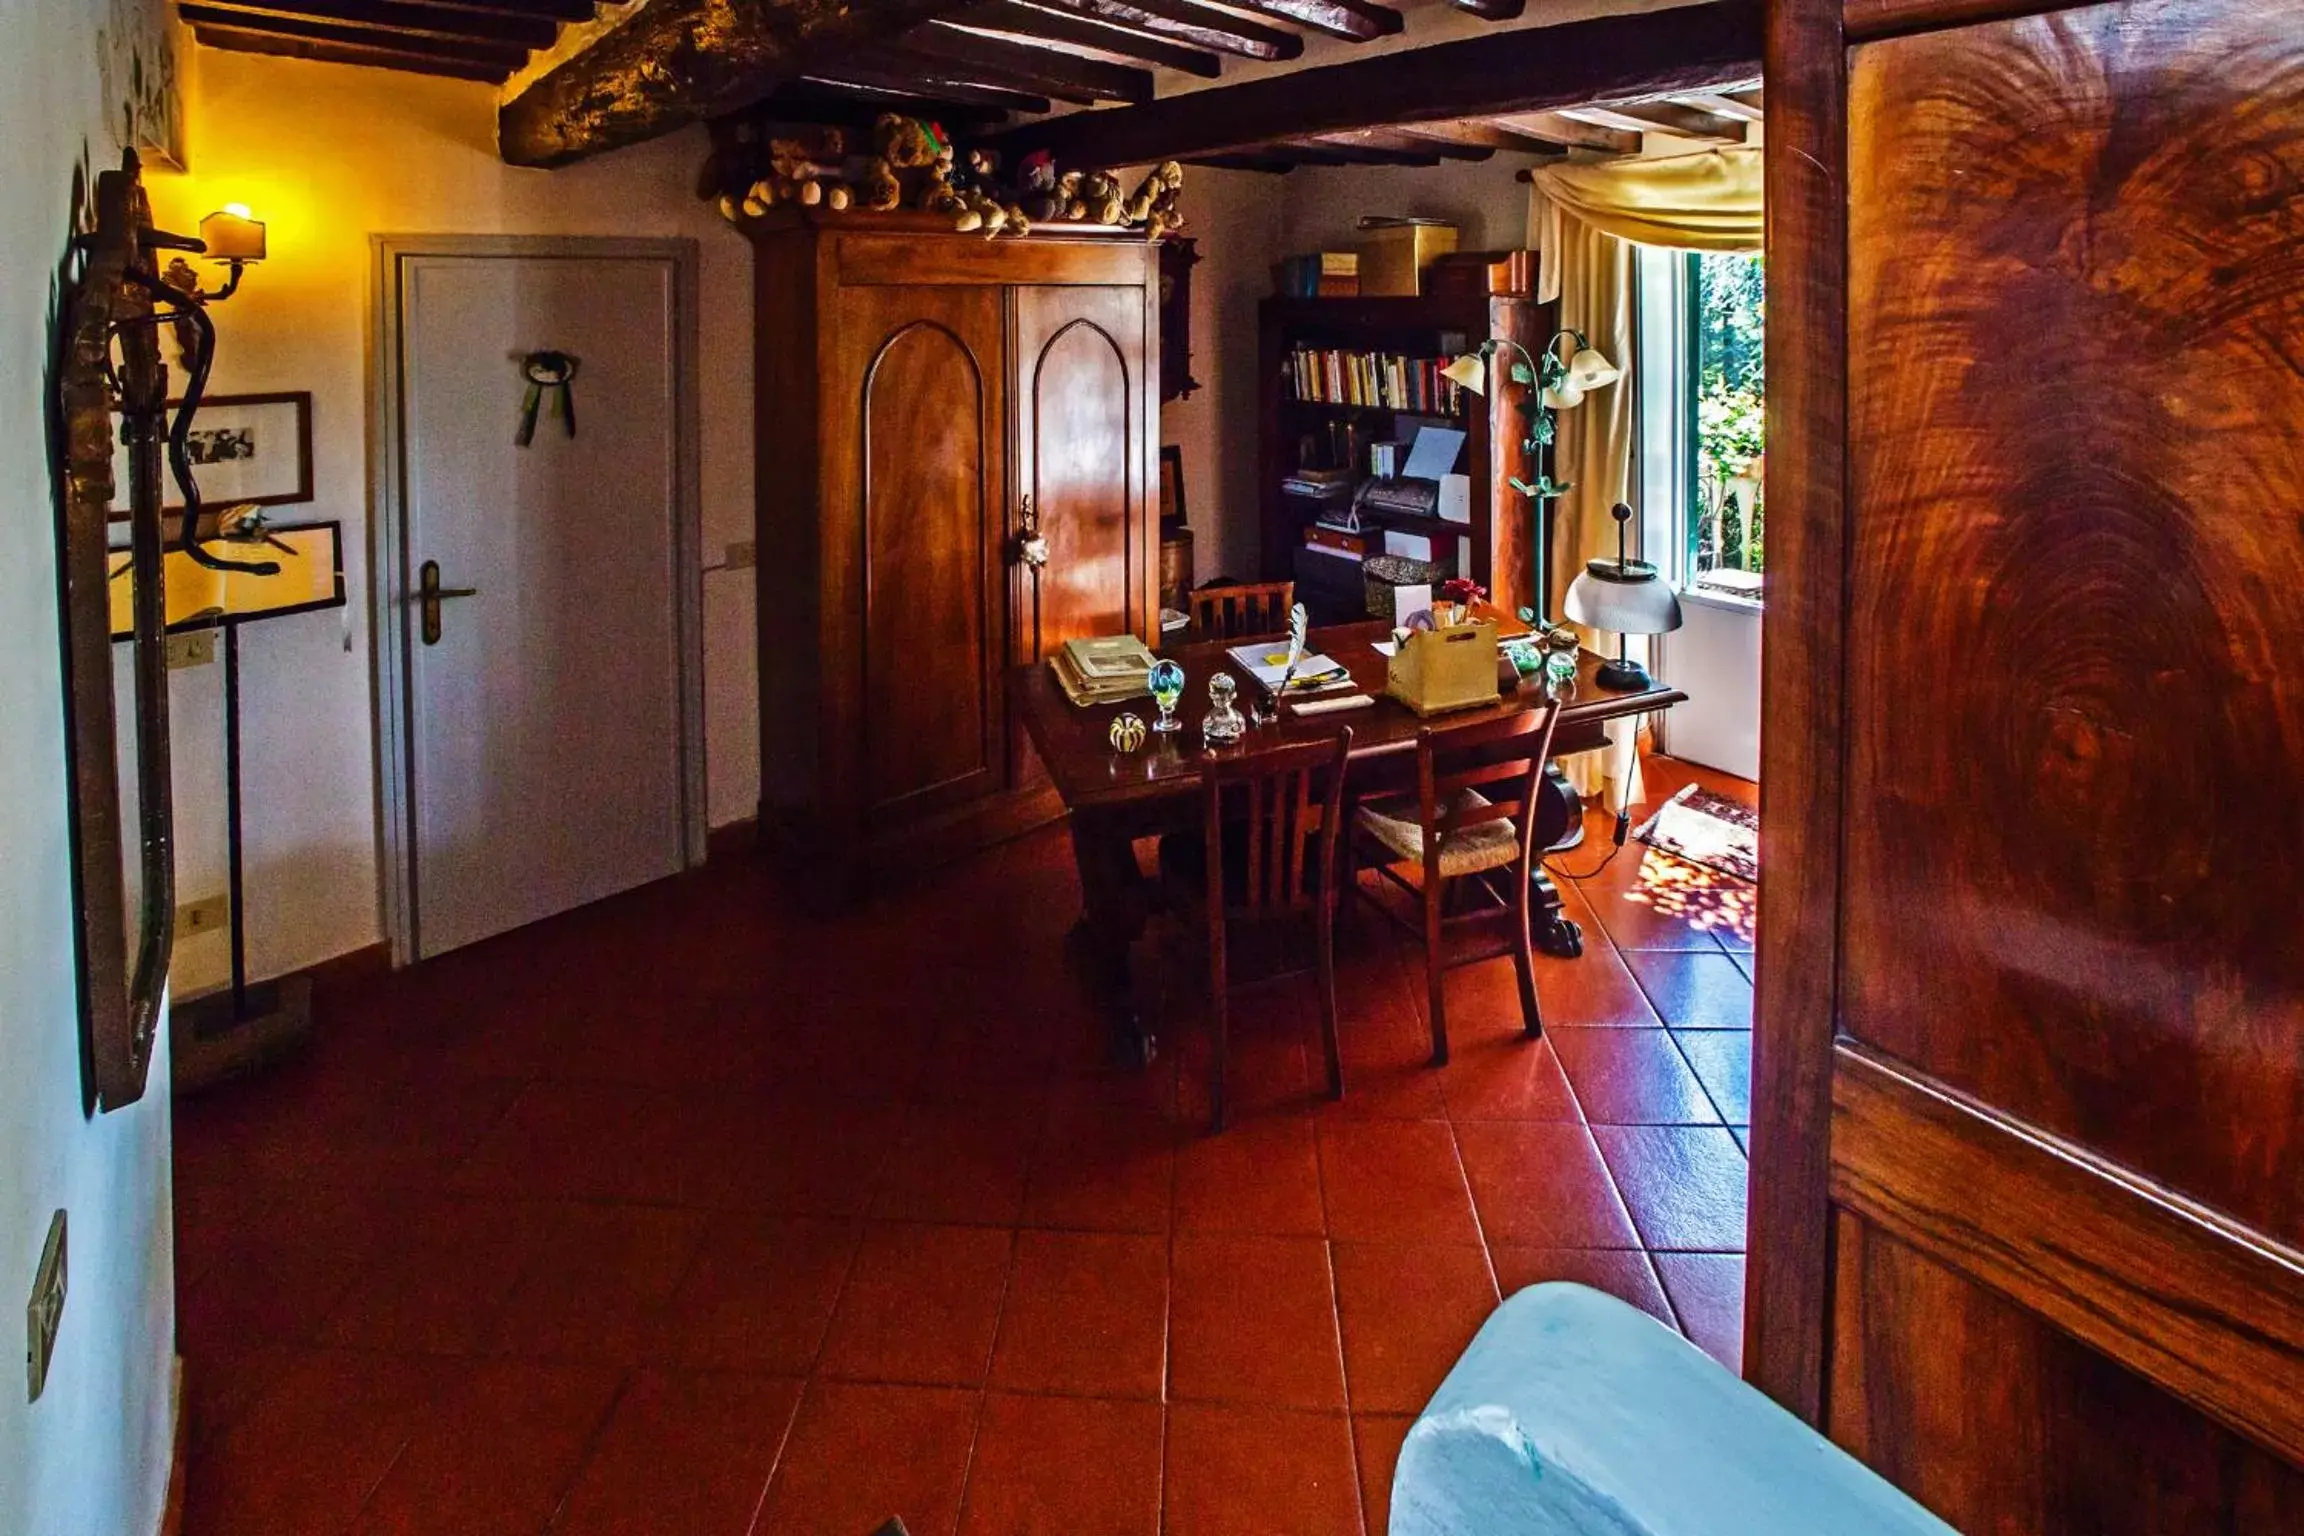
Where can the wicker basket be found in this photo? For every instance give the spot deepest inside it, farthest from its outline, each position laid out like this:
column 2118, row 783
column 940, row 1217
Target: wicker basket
column 1381, row 573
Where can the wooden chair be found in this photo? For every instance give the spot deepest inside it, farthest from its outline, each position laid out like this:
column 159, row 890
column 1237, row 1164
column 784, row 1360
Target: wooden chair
column 1269, row 849
column 1244, row 611
column 1455, row 833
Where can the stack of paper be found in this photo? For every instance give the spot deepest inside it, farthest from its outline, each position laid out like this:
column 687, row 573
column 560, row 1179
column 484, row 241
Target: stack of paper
column 1104, row 670
column 1267, row 662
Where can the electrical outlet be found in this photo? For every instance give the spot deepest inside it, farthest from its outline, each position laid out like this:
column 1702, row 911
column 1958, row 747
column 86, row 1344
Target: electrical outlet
column 740, row 556
column 44, row 1316
column 193, row 648
column 206, row 915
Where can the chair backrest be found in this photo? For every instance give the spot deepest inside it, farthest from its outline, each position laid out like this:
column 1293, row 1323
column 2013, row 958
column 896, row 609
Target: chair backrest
column 1294, row 800
column 1239, row 612
column 1503, row 759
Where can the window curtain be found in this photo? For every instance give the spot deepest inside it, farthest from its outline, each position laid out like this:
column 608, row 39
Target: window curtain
column 1583, row 220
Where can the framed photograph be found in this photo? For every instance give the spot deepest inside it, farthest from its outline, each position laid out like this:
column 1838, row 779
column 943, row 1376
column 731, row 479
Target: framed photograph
column 1171, row 486
column 244, row 448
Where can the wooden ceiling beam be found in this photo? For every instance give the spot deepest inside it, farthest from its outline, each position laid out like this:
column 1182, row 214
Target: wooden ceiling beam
column 1399, row 141
column 683, row 61
column 844, row 106
column 1487, row 135
column 1051, row 67
column 550, row 10
column 1355, row 21
column 241, row 40
column 1533, row 69
column 1031, row 23
column 1342, row 149
column 502, row 57
column 1723, row 104
column 1269, row 165
column 943, row 85
column 1196, row 25
column 1493, row 10
column 390, row 16
column 1658, row 117
column 1571, row 134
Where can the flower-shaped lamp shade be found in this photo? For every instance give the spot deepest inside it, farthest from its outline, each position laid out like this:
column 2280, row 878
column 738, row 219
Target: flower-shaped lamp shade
column 1469, row 371
column 1565, row 395
column 233, row 234
column 1588, row 370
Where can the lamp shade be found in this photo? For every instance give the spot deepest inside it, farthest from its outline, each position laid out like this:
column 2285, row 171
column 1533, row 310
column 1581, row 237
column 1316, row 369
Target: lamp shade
column 1588, row 369
column 1628, row 597
column 1565, row 395
column 230, row 234
column 1469, row 371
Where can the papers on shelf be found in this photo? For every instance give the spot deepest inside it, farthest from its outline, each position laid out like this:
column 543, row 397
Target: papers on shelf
column 1267, row 662
column 1433, row 454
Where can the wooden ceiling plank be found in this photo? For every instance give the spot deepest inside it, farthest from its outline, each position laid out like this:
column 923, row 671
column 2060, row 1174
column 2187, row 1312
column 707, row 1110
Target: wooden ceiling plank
column 231, row 39
column 408, row 16
column 1533, row 69
column 1014, row 19
column 1093, row 77
column 1270, row 165
column 859, row 107
column 504, row 57
column 943, row 85
column 1493, row 10
column 1750, row 97
column 1486, row 134
column 1355, row 21
column 550, row 10
column 1400, row 141
column 1342, row 148
column 1722, row 104
column 1659, row 117
column 1571, row 134
column 1183, row 22
column 683, row 61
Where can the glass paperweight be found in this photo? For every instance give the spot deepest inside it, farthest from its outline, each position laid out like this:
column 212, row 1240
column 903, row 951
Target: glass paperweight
column 1560, row 658
column 1126, row 733
column 1224, row 723
column 1167, row 681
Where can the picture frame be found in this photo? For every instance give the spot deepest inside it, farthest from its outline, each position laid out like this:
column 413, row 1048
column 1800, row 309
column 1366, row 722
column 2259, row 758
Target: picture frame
column 1172, row 507
column 245, row 449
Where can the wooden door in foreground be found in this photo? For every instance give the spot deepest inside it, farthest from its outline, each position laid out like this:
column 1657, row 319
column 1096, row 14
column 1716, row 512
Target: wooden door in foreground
column 2028, row 1179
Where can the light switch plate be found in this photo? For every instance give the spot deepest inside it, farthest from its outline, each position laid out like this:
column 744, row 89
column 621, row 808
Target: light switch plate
column 44, row 1315
column 193, row 648
column 740, row 556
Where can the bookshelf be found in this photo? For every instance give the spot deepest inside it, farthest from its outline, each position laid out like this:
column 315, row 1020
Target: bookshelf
column 1467, row 299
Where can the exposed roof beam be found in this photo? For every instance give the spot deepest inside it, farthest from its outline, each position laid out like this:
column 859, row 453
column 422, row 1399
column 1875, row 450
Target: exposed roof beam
column 1493, row 10
column 681, row 61
column 398, row 16
column 1057, row 72
column 1404, row 143
column 1183, row 22
column 551, row 10
column 1570, row 133
column 1356, row 21
column 1487, row 135
column 905, row 79
column 1271, row 165
column 1658, row 117
column 1010, row 18
column 1533, row 69
column 1723, row 104
column 380, row 56
column 503, row 57
column 849, row 106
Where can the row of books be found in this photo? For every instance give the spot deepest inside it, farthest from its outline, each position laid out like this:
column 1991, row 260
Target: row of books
column 1319, row 275
column 1335, row 376
column 1321, row 484
column 1105, row 670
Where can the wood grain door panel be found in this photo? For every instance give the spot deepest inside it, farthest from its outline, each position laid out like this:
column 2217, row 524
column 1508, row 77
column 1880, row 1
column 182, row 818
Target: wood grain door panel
column 930, row 448
column 1079, row 354
column 2028, row 1208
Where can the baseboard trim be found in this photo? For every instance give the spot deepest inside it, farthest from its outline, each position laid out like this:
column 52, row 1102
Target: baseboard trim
column 733, row 841
column 172, row 1510
column 352, row 968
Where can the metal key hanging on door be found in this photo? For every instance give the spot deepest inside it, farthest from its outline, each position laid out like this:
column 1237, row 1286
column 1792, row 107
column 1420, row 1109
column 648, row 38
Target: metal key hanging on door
column 548, row 373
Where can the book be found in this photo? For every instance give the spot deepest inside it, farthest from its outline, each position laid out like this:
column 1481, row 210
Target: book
column 1109, row 656
column 1084, row 692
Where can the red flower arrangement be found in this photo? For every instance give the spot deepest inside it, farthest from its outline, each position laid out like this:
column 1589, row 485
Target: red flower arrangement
column 1463, row 590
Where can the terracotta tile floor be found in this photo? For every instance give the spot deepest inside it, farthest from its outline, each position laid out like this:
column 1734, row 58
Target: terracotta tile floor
column 687, row 1213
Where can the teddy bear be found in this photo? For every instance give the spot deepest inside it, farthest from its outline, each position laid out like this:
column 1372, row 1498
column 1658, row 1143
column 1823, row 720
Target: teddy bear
column 1154, row 202
column 1039, row 190
column 1101, row 199
column 799, row 172
column 937, row 193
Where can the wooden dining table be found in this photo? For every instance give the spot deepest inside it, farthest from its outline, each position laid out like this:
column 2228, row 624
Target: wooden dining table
column 1118, row 797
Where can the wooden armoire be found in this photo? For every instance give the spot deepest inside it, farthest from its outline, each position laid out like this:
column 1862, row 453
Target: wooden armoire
column 925, row 402
column 2027, row 1221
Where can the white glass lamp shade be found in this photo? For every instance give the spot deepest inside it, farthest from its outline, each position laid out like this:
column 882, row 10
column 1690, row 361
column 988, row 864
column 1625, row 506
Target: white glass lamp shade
column 1589, row 370
column 233, row 234
column 1565, row 395
column 1468, row 372
column 1627, row 598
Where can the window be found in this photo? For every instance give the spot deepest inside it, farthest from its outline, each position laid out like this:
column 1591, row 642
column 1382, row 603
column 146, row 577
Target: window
column 1725, row 389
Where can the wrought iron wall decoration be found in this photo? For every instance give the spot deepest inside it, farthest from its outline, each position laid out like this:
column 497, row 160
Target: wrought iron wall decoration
column 110, row 366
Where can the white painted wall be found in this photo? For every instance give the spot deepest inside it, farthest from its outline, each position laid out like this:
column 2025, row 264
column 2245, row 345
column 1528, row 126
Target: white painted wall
column 91, row 1457
column 1715, row 659
column 328, row 155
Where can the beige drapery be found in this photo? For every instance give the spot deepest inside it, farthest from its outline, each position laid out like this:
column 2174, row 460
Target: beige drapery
column 1583, row 220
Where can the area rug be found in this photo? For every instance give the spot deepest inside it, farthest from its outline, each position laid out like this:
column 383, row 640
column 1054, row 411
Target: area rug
column 1707, row 829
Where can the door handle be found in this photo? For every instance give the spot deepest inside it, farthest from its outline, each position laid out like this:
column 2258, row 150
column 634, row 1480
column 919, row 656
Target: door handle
column 1030, row 547
column 429, row 596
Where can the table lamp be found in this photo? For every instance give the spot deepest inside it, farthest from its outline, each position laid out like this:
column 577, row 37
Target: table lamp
column 1627, row 596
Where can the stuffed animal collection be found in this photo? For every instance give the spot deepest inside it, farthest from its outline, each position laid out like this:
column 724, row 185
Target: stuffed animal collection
column 912, row 164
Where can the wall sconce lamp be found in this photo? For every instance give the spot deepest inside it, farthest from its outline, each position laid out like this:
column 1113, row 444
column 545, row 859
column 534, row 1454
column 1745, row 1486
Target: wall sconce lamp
column 1556, row 379
column 1628, row 596
column 233, row 238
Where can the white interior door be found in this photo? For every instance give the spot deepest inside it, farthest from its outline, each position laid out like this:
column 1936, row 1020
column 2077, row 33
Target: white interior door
column 544, row 722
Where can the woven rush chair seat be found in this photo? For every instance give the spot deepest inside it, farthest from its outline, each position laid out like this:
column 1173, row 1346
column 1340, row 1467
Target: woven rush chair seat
column 1488, row 845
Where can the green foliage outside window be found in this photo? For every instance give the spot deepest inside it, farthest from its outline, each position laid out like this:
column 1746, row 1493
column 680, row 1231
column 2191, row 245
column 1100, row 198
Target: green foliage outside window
column 1727, row 310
